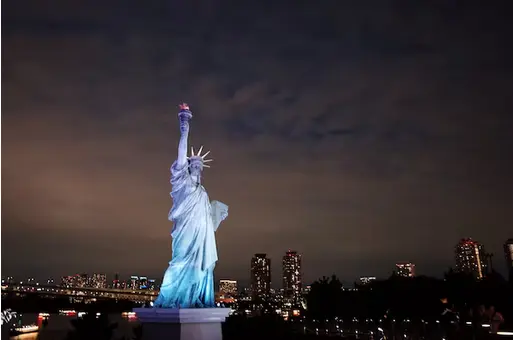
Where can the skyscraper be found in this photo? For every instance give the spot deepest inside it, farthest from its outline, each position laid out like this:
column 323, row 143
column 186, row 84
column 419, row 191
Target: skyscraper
column 508, row 253
column 260, row 276
column 405, row 269
column 292, row 277
column 471, row 258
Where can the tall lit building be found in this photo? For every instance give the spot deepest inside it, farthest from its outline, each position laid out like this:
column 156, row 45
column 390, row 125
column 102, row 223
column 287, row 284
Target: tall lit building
column 228, row 287
column 292, row 277
column 508, row 253
column 471, row 258
column 405, row 269
column 260, row 276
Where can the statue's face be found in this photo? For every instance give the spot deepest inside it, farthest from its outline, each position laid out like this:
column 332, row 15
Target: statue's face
column 195, row 168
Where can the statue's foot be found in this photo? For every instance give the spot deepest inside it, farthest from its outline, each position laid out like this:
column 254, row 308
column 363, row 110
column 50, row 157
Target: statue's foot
column 162, row 304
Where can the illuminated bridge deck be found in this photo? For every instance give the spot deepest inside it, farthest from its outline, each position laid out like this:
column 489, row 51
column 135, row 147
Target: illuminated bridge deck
column 100, row 293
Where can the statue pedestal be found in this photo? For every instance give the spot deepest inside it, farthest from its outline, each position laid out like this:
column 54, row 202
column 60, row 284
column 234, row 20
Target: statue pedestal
column 182, row 324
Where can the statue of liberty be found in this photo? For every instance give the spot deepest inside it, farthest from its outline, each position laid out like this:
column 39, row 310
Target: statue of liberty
column 189, row 280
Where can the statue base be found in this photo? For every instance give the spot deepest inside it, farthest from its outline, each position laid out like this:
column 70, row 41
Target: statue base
column 182, row 323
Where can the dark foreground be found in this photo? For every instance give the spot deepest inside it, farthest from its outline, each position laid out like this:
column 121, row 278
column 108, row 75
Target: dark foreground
column 113, row 327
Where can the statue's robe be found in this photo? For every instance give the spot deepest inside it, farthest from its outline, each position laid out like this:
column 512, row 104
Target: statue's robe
column 188, row 281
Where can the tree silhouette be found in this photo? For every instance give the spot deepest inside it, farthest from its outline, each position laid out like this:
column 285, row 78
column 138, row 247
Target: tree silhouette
column 92, row 327
column 460, row 287
column 325, row 298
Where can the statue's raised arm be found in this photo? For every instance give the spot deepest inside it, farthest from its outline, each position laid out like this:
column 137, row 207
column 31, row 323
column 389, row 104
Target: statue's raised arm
column 185, row 115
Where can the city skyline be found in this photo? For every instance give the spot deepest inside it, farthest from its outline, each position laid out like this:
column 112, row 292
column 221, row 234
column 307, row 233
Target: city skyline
column 360, row 135
column 261, row 269
column 400, row 268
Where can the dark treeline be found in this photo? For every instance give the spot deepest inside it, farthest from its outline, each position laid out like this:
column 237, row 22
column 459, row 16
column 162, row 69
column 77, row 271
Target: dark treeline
column 328, row 304
column 420, row 297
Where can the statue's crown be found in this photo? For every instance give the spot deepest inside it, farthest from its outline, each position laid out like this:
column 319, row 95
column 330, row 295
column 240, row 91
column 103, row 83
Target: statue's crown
column 199, row 157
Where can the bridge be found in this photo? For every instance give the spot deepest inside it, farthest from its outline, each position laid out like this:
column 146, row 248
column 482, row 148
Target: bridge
column 137, row 295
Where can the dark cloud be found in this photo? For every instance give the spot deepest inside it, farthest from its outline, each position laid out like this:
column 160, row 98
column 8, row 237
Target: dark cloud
column 359, row 135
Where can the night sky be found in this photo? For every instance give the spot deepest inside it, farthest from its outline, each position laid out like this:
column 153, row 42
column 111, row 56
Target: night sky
column 358, row 133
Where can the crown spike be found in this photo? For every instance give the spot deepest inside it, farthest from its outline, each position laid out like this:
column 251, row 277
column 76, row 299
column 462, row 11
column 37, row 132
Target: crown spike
column 198, row 157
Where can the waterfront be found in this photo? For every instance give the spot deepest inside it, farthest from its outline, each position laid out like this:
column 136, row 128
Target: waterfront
column 60, row 325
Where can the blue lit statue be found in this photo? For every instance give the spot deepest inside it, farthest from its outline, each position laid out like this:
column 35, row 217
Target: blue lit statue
column 189, row 280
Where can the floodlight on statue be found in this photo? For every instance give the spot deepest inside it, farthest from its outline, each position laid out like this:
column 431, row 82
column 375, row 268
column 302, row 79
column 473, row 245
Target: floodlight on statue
column 189, row 280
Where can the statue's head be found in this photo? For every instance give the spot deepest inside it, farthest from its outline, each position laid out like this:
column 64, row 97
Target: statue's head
column 197, row 162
